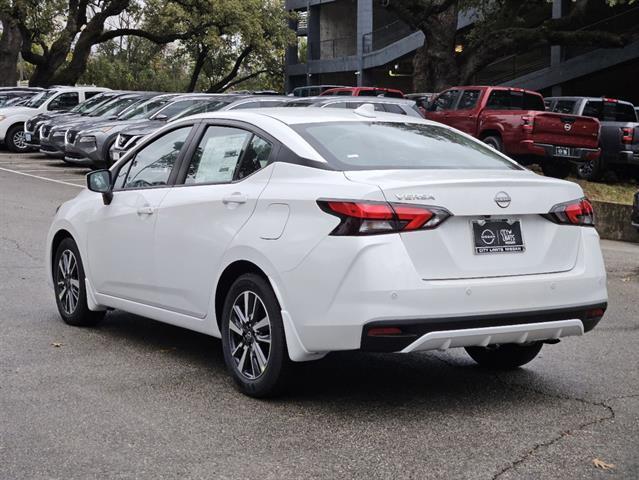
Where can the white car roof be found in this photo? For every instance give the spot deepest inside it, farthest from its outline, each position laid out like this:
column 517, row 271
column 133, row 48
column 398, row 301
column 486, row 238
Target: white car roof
column 294, row 116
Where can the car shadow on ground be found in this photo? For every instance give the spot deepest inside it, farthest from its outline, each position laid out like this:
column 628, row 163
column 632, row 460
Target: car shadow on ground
column 441, row 378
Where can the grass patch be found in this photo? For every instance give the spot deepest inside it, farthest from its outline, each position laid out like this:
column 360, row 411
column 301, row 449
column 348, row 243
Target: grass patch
column 608, row 192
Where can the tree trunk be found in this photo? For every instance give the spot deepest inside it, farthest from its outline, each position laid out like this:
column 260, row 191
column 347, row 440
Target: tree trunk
column 197, row 68
column 10, row 44
column 434, row 65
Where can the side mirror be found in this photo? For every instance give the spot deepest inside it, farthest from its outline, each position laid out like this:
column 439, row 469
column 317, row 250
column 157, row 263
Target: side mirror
column 160, row 117
column 99, row 181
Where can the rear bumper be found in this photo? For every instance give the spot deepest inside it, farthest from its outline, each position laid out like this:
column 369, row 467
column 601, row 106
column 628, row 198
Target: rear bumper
column 627, row 157
column 577, row 154
column 380, row 286
column 481, row 330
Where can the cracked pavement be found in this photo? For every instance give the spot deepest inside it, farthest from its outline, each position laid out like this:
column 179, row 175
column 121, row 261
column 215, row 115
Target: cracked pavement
column 137, row 399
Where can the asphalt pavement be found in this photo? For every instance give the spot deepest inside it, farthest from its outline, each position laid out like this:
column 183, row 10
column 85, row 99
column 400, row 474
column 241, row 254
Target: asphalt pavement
column 136, row 399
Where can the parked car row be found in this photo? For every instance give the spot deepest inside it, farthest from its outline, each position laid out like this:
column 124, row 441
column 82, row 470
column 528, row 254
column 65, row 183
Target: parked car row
column 102, row 128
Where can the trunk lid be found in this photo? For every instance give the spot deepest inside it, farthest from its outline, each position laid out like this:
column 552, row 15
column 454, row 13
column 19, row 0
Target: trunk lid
column 448, row 251
column 568, row 130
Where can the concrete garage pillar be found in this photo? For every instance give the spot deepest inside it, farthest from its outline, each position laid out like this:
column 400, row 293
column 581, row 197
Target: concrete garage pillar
column 364, row 26
column 559, row 9
column 313, row 40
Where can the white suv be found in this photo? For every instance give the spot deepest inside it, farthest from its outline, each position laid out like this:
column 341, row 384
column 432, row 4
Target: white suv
column 289, row 233
column 60, row 98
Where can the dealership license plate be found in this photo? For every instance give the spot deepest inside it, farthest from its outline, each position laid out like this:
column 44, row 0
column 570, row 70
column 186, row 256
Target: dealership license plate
column 497, row 236
column 563, row 152
column 27, row 137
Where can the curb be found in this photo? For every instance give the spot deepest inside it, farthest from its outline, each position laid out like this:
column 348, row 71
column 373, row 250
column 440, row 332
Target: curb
column 612, row 221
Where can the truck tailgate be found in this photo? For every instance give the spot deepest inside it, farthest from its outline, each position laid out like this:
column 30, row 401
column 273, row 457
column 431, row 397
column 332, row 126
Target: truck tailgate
column 569, row 130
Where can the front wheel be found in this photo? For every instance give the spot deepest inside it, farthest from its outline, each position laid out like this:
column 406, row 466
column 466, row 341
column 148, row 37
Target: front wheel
column 505, row 356
column 16, row 141
column 70, row 289
column 253, row 337
column 555, row 168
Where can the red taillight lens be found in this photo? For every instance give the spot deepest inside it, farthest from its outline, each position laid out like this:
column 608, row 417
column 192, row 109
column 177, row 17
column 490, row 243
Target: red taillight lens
column 627, row 134
column 370, row 218
column 576, row 212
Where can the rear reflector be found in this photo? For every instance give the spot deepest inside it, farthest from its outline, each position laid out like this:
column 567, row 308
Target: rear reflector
column 370, row 218
column 576, row 212
column 595, row 313
column 384, row 331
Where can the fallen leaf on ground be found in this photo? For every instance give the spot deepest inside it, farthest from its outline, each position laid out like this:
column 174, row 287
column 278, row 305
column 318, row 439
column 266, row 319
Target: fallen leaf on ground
column 602, row 465
column 57, row 344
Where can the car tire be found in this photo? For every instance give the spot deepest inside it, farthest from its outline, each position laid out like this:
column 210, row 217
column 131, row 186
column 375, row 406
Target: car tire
column 70, row 287
column 555, row 168
column 495, row 142
column 15, row 140
column 253, row 339
column 592, row 170
column 505, row 356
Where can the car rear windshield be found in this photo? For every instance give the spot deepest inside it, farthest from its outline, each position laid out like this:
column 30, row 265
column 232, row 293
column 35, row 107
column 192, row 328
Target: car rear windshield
column 610, row 111
column 515, row 100
column 398, row 145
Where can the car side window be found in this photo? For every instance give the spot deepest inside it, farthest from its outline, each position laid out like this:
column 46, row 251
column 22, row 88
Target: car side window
column 468, row 99
column 499, row 100
column 247, row 105
column 64, row 101
column 225, row 154
column 444, row 102
column 152, row 165
column 564, row 106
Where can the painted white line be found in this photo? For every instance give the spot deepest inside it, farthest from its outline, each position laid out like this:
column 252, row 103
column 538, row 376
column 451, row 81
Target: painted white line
column 41, row 178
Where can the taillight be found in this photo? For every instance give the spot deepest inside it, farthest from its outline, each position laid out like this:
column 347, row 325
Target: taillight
column 371, row 218
column 627, row 134
column 576, row 212
column 527, row 123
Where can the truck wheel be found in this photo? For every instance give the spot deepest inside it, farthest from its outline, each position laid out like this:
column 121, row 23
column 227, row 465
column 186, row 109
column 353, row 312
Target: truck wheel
column 495, row 142
column 591, row 170
column 15, row 139
column 555, row 168
column 505, row 356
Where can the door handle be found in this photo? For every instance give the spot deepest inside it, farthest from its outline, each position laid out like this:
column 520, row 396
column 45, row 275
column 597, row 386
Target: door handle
column 235, row 198
column 146, row 211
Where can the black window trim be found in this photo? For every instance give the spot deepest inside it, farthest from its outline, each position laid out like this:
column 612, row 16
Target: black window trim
column 115, row 170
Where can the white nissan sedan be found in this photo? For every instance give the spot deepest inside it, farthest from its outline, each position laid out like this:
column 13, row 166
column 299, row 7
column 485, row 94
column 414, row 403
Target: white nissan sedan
column 290, row 234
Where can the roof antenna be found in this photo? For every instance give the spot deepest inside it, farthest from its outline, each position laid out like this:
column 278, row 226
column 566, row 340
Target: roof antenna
column 366, row 110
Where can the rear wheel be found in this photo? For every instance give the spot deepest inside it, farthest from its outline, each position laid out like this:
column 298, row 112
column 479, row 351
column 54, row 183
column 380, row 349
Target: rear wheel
column 495, row 142
column 591, row 170
column 70, row 288
column 555, row 168
column 15, row 139
column 505, row 356
column 253, row 338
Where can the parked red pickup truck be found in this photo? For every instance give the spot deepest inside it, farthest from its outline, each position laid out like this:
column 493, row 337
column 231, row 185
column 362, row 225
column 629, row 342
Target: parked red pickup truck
column 514, row 121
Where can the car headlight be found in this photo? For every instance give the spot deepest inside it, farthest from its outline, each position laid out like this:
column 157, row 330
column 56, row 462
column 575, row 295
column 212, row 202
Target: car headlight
column 87, row 142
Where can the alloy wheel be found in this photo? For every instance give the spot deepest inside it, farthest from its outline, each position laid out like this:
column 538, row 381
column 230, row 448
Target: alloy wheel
column 19, row 140
column 586, row 168
column 68, row 282
column 250, row 335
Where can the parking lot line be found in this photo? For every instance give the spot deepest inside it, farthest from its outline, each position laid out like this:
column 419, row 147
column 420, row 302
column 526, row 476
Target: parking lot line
column 41, row 178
